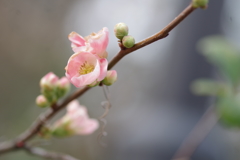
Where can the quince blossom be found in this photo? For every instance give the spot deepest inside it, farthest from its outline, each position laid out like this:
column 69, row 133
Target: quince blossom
column 88, row 65
column 96, row 43
column 75, row 122
column 84, row 68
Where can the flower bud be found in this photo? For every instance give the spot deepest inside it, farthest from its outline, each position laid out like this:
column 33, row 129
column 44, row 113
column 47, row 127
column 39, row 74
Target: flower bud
column 120, row 30
column 128, row 41
column 48, row 86
column 110, row 78
column 48, row 80
column 41, row 101
column 94, row 84
column 200, row 3
column 63, row 86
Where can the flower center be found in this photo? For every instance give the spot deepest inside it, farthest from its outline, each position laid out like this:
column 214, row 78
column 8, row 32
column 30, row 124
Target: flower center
column 86, row 68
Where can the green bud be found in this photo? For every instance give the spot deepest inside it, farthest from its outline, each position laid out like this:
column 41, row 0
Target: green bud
column 128, row 41
column 41, row 101
column 120, row 30
column 200, row 3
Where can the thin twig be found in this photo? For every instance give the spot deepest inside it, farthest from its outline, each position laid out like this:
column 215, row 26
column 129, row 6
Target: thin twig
column 37, row 125
column 197, row 135
column 48, row 155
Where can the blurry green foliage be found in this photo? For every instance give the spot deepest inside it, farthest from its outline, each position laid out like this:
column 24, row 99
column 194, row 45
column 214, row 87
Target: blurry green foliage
column 226, row 58
column 228, row 109
column 223, row 55
column 208, row 87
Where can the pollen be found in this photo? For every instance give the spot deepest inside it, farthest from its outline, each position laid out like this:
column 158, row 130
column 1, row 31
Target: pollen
column 86, row 68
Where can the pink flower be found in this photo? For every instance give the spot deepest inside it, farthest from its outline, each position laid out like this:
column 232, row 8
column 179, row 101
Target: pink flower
column 84, row 68
column 75, row 122
column 96, row 43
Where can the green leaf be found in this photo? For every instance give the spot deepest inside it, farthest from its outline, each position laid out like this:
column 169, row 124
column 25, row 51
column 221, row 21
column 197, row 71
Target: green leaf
column 208, row 87
column 223, row 55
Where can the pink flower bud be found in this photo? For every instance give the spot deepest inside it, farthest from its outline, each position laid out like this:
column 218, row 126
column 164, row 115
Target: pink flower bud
column 64, row 83
column 41, row 101
column 48, row 86
column 63, row 87
column 75, row 122
column 110, row 78
column 49, row 80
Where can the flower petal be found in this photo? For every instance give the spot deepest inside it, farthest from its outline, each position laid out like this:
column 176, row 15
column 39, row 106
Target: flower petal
column 99, row 41
column 103, row 69
column 76, row 39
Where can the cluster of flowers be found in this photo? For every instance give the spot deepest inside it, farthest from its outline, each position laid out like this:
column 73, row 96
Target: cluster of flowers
column 76, row 121
column 88, row 65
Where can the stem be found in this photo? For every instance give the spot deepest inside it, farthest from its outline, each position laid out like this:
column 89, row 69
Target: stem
column 37, row 125
column 197, row 135
column 48, row 155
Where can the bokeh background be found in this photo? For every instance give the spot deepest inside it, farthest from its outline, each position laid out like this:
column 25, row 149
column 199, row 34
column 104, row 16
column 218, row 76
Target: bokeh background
column 153, row 109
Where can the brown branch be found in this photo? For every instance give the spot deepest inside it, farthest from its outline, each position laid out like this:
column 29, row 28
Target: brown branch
column 37, row 125
column 197, row 135
column 48, row 155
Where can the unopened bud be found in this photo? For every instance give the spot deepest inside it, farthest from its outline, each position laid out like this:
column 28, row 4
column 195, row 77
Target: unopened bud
column 110, row 78
column 48, row 80
column 200, row 3
column 41, row 101
column 128, row 41
column 120, row 30
column 48, row 86
column 94, row 84
column 63, row 86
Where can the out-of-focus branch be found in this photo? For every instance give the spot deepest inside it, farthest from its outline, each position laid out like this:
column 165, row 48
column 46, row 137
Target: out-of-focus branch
column 48, row 155
column 197, row 135
column 37, row 125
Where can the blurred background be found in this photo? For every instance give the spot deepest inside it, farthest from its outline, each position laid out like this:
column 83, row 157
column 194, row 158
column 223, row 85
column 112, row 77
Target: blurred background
column 153, row 109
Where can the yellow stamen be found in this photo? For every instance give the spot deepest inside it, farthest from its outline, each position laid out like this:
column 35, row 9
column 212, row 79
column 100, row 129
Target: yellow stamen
column 86, row 68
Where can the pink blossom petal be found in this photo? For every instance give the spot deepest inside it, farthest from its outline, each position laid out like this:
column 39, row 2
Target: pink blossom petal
column 103, row 69
column 99, row 41
column 88, row 127
column 76, row 39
